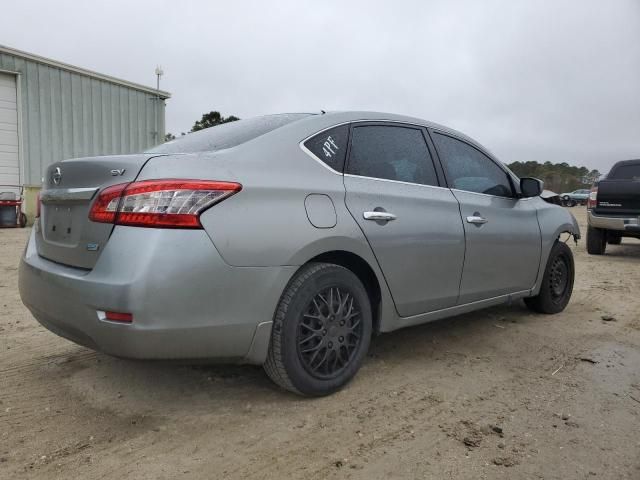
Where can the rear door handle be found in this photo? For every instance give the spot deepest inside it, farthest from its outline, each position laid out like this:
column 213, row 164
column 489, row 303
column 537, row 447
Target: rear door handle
column 477, row 219
column 379, row 216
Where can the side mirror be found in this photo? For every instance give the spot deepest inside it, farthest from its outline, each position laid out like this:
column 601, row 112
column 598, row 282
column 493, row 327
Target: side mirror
column 531, row 187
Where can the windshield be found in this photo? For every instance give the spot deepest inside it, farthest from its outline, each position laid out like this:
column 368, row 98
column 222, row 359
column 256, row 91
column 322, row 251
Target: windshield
column 227, row 135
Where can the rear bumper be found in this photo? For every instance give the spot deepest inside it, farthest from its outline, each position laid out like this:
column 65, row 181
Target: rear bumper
column 622, row 224
column 186, row 302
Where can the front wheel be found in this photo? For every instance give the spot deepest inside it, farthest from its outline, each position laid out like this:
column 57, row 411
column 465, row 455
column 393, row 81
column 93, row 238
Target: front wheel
column 557, row 282
column 321, row 330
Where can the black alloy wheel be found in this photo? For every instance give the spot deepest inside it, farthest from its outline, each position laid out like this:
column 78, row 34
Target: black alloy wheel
column 330, row 332
column 321, row 330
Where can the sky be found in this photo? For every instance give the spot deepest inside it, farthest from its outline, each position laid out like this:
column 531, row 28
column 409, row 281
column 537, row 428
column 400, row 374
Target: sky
column 536, row 80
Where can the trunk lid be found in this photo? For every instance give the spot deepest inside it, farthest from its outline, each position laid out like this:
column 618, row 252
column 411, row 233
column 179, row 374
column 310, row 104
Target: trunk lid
column 618, row 198
column 64, row 233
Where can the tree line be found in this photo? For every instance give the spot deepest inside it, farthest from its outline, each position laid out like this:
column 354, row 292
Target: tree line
column 210, row 119
column 557, row 177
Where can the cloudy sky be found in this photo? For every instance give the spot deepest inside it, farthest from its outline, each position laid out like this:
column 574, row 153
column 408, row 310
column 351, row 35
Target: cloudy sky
column 555, row 80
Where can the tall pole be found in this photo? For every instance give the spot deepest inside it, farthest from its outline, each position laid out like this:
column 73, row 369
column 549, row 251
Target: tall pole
column 159, row 73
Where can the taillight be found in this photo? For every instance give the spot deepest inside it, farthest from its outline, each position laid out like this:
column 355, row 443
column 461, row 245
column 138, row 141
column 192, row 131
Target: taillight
column 593, row 197
column 160, row 203
column 105, row 207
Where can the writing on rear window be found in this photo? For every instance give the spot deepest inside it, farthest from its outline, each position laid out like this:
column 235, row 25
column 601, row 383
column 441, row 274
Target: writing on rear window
column 330, row 146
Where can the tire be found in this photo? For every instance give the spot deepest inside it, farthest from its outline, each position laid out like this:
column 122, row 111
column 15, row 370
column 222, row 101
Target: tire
column 613, row 239
column 596, row 241
column 557, row 282
column 23, row 220
column 306, row 329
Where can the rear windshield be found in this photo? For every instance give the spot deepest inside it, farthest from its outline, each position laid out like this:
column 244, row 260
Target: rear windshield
column 227, row 135
column 626, row 172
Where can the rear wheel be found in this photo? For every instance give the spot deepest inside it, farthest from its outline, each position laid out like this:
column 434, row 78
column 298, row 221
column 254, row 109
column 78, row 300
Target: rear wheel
column 321, row 331
column 557, row 283
column 596, row 241
column 23, row 220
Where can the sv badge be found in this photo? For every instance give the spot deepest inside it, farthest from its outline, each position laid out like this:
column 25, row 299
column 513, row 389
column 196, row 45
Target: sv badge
column 118, row 172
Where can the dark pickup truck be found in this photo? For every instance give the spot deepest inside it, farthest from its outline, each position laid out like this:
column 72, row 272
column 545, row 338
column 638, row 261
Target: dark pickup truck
column 614, row 207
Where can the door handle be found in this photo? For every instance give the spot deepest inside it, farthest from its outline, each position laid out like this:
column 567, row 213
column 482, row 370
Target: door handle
column 477, row 219
column 379, row 216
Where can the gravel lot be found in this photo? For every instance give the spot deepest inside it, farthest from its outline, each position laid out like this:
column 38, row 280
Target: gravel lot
column 501, row 393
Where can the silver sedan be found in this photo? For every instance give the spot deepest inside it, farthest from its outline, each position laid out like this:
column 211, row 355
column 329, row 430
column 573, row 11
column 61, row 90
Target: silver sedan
column 288, row 241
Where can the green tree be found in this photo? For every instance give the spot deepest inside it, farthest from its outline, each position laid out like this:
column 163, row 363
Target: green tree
column 212, row 119
column 558, row 177
column 169, row 136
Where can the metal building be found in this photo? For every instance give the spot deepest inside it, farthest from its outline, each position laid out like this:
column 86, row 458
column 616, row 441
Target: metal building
column 51, row 111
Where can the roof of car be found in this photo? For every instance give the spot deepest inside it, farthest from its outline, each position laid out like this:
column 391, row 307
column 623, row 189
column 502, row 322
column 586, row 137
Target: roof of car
column 625, row 162
column 355, row 115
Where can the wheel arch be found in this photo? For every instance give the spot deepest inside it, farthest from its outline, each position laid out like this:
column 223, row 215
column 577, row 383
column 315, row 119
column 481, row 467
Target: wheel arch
column 365, row 273
column 553, row 221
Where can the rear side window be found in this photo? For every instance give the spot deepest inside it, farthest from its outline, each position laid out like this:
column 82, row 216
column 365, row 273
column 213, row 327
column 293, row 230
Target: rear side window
column 391, row 153
column 469, row 169
column 227, row 135
column 626, row 172
column 330, row 146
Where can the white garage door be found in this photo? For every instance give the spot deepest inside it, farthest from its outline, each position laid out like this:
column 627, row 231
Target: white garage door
column 9, row 161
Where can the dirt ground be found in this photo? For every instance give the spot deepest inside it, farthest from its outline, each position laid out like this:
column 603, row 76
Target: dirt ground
column 501, row 393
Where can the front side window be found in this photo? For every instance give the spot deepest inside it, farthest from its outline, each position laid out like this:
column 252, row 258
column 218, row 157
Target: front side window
column 330, row 146
column 471, row 170
column 391, row 153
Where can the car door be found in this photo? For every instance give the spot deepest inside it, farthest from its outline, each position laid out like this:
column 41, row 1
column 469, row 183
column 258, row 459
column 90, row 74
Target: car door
column 503, row 242
column 412, row 223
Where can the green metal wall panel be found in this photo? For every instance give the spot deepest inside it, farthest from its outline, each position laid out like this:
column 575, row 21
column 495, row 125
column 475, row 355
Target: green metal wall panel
column 66, row 114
